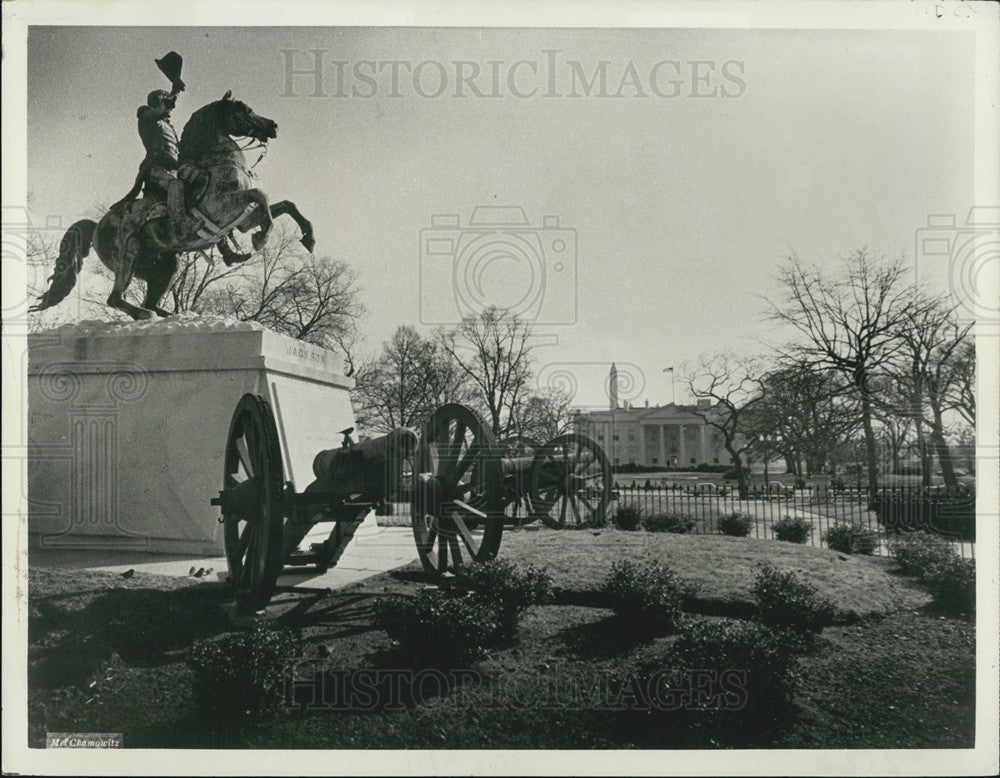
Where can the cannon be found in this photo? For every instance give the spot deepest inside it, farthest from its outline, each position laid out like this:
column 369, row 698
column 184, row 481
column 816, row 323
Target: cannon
column 467, row 487
column 265, row 519
column 566, row 482
column 460, row 483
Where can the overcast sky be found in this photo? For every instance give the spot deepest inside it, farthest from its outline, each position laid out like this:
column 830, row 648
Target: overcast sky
column 679, row 182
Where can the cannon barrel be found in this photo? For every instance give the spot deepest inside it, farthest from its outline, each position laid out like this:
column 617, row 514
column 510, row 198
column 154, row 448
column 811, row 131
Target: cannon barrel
column 373, row 468
column 516, row 465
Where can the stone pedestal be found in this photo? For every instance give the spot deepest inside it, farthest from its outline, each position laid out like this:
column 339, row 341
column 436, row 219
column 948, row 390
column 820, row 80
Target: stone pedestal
column 127, row 425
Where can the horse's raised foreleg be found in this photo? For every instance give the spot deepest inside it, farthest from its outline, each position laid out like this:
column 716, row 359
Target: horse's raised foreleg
column 284, row 207
column 261, row 216
column 123, row 277
column 158, row 282
column 230, row 255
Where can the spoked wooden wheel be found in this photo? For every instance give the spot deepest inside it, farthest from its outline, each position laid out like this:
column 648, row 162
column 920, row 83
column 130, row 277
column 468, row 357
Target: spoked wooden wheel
column 456, row 491
column 252, row 511
column 517, row 506
column 570, row 483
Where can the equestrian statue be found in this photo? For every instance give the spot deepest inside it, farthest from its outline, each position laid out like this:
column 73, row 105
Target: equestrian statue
column 195, row 192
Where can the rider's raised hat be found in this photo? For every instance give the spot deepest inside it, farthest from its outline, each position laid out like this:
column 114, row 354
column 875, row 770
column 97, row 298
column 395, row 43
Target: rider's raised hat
column 170, row 65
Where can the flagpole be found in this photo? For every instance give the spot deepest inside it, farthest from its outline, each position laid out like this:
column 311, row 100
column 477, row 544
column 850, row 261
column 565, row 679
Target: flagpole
column 673, row 394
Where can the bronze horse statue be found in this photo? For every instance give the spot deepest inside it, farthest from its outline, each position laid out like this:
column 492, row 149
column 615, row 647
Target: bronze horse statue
column 133, row 239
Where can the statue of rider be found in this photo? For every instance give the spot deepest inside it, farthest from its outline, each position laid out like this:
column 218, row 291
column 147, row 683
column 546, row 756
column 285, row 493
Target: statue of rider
column 160, row 172
column 159, row 168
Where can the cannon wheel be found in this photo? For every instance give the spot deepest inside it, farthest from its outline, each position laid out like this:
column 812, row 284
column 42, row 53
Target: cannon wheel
column 456, row 509
column 570, row 483
column 516, row 487
column 253, row 516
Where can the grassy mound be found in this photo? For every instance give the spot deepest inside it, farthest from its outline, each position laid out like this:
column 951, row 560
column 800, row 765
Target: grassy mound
column 723, row 568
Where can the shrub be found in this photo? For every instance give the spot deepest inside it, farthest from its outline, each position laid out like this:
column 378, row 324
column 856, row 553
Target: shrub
column 668, row 522
column 736, row 524
column 649, row 598
column 632, row 467
column 952, row 584
column 736, row 646
column 792, row 530
column 917, row 552
column 786, row 603
column 704, row 467
column 627, row 517
column 852, row 538
column 733, row 473
column 435, row 629
column 501, row 586
column 242, row 673
column 950, row 579
column 865, row 541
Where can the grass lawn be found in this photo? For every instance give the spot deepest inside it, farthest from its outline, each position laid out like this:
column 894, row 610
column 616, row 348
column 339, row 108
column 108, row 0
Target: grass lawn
column 722, row 567
column 107, row 655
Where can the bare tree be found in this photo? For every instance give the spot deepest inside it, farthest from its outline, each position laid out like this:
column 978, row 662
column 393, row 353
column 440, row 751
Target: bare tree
column 962, row 390
column 806, row 414
column 733, row 384
column 902, row 390
column 945, row 372
column 895, row 424
column 402, row 386
column 847, row 322
column 307, row 297
column 925, row 378
column 546, row 415
column 389, row 391
column 199, row 277
column 494, row 351
column 964, row 444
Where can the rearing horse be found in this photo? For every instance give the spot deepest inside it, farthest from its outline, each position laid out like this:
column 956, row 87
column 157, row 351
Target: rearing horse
column 133, row 240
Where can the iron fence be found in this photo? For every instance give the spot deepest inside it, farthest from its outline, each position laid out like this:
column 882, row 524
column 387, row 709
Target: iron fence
column 886, row 512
